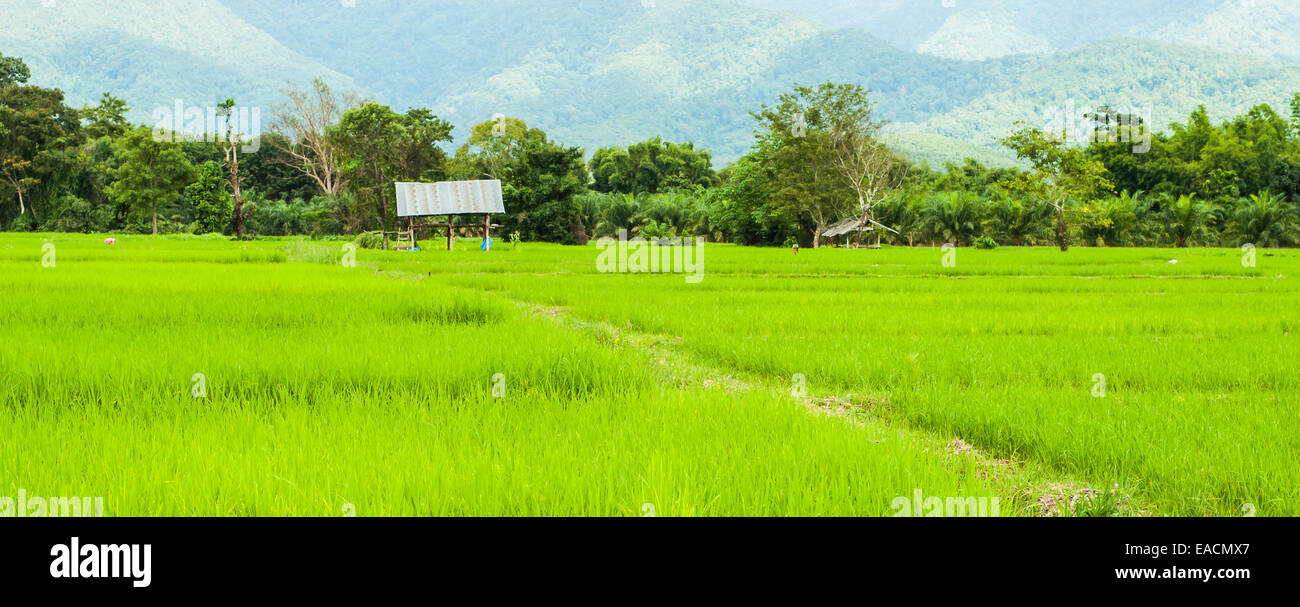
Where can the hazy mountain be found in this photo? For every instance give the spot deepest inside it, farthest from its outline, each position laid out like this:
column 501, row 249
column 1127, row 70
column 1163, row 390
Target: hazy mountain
column 600, row 72
column 1167, row 81
column 982, row 29
column 151, row 52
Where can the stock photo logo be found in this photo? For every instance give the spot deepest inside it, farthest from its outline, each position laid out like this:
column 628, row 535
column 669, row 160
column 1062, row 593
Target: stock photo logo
column 1103, row 125
column 23, row 505
column 920, row 505
column 655, row 256
column 209, row 124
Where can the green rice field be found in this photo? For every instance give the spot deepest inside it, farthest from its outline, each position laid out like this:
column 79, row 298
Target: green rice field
column 178, row 376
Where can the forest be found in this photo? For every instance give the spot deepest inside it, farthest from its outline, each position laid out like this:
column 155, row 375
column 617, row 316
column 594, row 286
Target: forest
column 326, row 164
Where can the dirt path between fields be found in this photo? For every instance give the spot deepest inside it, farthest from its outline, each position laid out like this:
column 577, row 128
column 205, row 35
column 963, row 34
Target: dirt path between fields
column 1031, row 489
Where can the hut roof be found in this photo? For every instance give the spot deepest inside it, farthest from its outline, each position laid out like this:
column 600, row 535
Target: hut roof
column 848, row 226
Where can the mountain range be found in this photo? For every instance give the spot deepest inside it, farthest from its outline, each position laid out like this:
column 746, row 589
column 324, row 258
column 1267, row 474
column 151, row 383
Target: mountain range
column 950, row 75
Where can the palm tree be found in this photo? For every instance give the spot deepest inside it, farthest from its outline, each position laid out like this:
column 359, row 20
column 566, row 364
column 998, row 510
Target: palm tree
column 901, row 211
column 1148, row 226
column 623, row 213
column 1112, row 220
column 1016, row 221
column 667, row 209
column 1265, row 220
column 953, row 216
column 1188, row 221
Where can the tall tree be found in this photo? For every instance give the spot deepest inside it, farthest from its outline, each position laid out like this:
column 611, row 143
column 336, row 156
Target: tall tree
column 233, row 141
column 108, row 119
column 366, row 138
column 150, row 174
column 212, row 205
column 1188, row 220
column 650, row 167
column 306, row 121
column 540, row 178
column 1061, row 174
column 13, row 71
column 822, row 146
column 35, row 127
column 418, row 156
column 795, row 146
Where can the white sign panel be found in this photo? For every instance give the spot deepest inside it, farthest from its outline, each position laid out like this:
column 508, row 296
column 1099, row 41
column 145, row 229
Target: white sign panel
column 449, row 198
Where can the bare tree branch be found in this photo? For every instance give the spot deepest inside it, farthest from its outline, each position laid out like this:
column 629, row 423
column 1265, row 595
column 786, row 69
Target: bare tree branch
column 305, row 120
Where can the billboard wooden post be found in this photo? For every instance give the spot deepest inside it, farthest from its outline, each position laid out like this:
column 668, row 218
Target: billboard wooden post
column 487, row 227
column 451, row 234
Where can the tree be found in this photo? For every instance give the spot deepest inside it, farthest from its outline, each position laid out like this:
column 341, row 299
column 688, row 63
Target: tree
column 953, row 217
column 368, row 139
column 417, row 156
column 13, row 71
column 1116, row 220
column 540, row 178
column 108, row 119
column 212, row 206
column 620, row 212
column 821, row 146
column 271, row 171
column 805, row 182
column 1188, row 220
column 1265, row 220
column 1061, row 174
column 1015, row 220
column 744, row 208
column 651, row 167
column 150, row 174
column 864, row 163
column 35, row 128
column 306, row 121
column 231, row 144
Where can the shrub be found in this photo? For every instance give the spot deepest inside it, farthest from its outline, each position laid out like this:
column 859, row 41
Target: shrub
column 212, row 203
column 370, row 240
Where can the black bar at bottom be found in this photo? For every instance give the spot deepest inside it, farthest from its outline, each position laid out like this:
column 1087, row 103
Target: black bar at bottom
column 214, row 558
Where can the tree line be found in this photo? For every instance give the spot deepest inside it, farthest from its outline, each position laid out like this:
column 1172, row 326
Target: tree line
column 328, row 163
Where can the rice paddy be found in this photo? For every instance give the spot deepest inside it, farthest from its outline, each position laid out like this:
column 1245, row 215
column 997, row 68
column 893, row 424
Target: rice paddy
column 192, row 376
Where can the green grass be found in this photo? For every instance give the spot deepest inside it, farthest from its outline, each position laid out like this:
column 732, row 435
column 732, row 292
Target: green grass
column 372, row 386
column 329, row 386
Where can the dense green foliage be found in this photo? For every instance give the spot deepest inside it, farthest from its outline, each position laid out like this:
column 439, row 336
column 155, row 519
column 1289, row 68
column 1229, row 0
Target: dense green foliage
column 540, row 178
column 1234, row 183
column 211, row 201
column 650, row 167
column 595, row 73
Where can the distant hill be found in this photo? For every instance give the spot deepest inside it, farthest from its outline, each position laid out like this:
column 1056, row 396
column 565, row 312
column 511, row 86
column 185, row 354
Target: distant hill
column 152, row 52
column 601, row 72
column 983, row 29
column 1168, row 81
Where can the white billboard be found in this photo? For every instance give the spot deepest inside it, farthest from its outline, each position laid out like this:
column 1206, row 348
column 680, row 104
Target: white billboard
column 449, row 198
